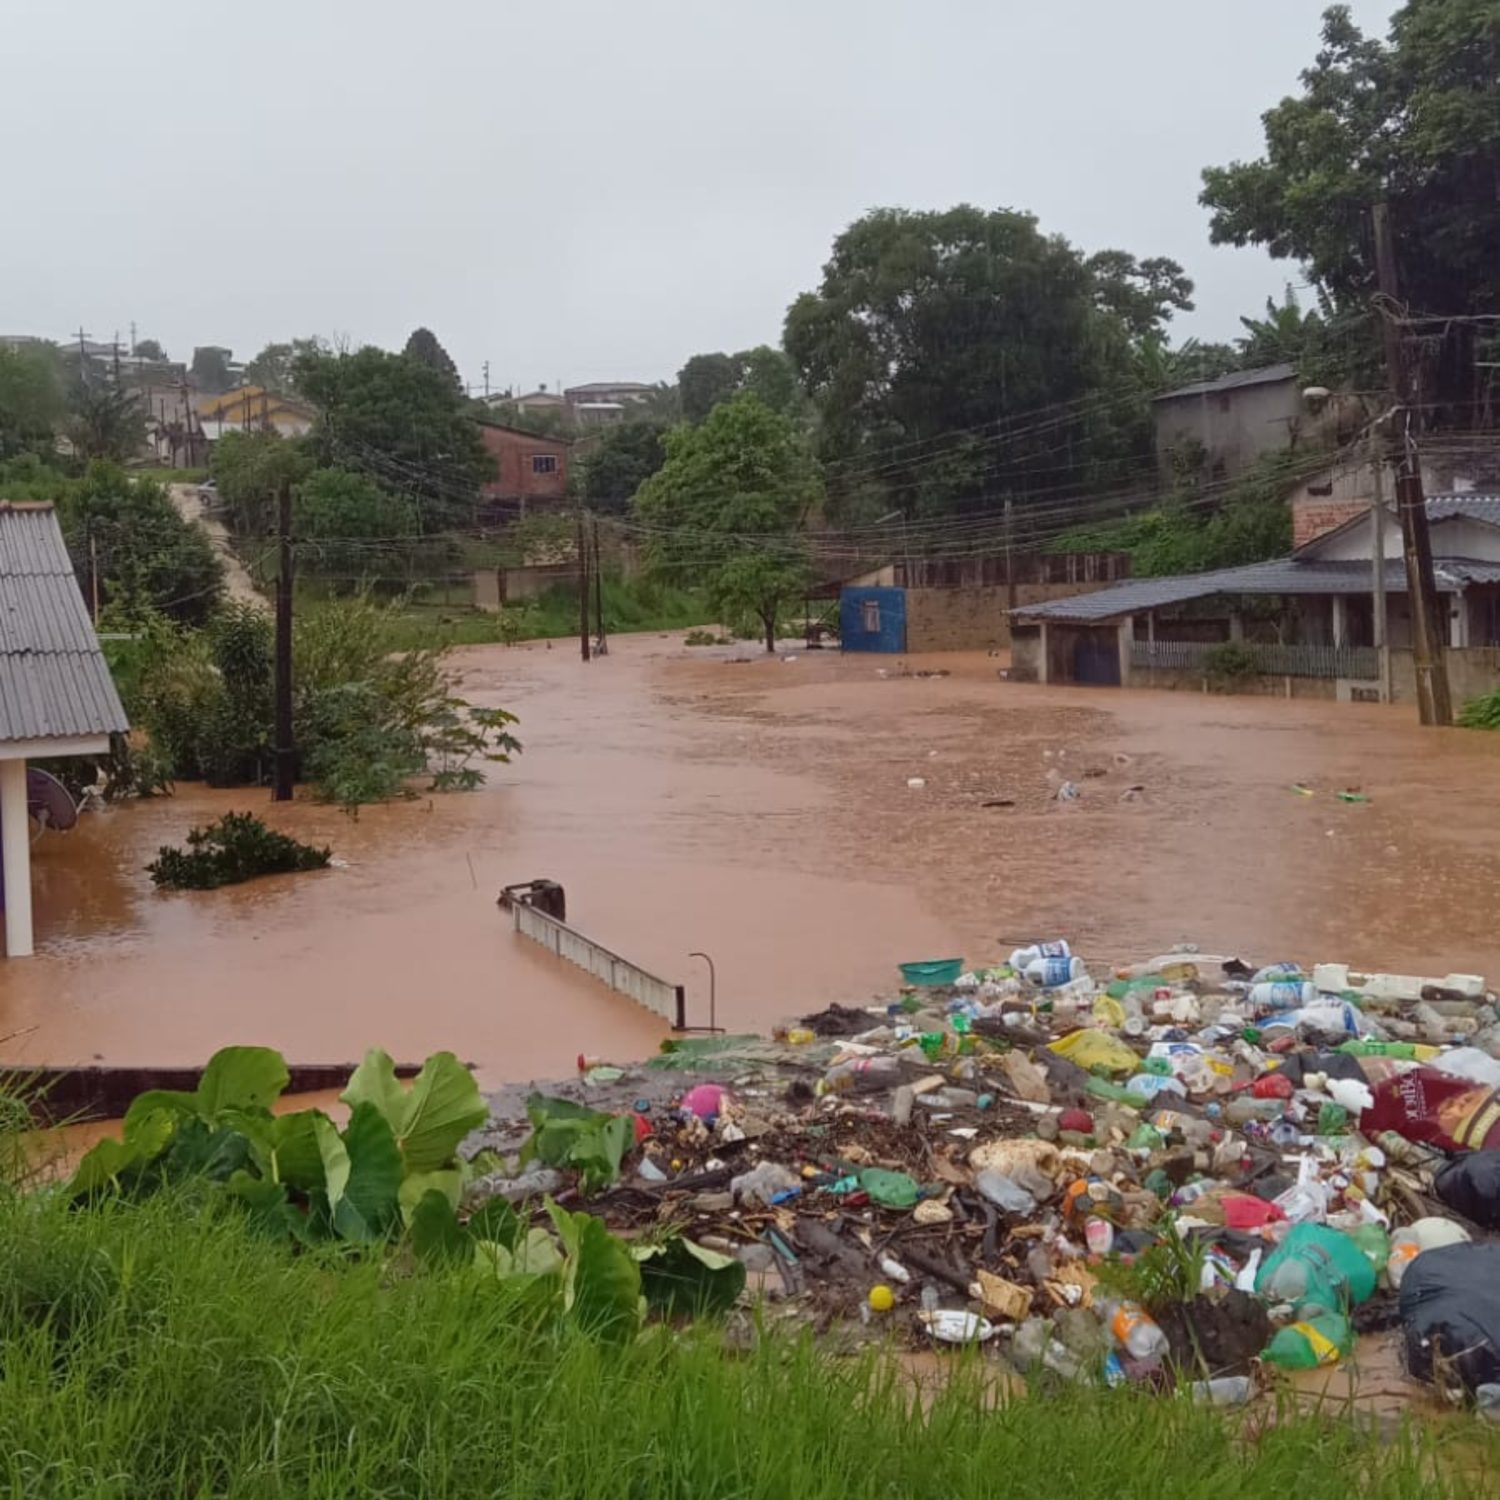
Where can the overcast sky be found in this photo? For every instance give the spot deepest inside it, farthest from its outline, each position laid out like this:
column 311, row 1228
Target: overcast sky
column 593, row 189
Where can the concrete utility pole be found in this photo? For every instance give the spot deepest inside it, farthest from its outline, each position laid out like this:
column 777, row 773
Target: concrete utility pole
column 1381, row 626
column 1434, row 702
column 583, row 591
column 286, row 754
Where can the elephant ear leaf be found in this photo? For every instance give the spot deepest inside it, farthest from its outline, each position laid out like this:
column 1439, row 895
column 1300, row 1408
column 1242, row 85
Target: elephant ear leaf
column 437, row 1238
column 443, row 1106
column 682, row 1279
column 368, row 1204
column 601, row 1280
column 242, row 1078
column 374, row 1082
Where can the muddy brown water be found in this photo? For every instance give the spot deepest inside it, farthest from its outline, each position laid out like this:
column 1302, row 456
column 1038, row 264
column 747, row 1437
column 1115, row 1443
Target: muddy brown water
column 759, row 810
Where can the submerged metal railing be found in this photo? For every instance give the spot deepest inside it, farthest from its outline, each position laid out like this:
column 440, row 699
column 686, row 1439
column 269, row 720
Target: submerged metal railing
column 1270, row 659
column 669, row 1001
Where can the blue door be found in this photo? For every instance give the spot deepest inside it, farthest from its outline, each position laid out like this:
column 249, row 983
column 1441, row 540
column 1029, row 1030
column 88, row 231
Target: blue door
column 872, row 619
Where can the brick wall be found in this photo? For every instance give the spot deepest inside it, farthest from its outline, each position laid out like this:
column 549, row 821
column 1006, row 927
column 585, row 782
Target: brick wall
column 1312, row 517
column 974, row 619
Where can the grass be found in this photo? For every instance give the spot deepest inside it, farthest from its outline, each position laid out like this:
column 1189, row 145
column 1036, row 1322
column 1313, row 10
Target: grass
column 629, row 605
column 159, row 1351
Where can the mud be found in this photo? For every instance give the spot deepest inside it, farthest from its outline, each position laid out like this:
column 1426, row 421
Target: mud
column 761, row 812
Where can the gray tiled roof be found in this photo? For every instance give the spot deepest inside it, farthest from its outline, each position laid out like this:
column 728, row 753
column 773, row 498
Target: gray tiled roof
column 1284, row 575
column 1476, row 507
column 53, row 679
column 1270, row 375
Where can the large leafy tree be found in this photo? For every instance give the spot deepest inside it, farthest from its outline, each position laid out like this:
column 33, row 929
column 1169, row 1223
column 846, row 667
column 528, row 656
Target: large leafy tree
column 31, row 401
column 423, row 345
column 250, row 469
column 149, row 349
column 1413, row 121
column 708, row 379
column 210, row 369
column 351, row 529
column 148, row 558
column 959, row 357
column 104, row 419
column 725, row 511
column 273, row 369
column 401, row 422
column 621, row 459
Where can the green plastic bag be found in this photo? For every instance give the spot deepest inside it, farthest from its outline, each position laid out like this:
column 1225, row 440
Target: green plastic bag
column 890, row 1189
column 1318, row 1270
column 1313, row 1342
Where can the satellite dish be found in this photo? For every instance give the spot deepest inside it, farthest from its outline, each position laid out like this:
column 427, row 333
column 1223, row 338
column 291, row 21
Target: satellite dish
column 48, row 800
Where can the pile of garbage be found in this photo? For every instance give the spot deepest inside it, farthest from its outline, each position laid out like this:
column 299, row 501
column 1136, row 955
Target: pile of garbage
column 1186, row 1172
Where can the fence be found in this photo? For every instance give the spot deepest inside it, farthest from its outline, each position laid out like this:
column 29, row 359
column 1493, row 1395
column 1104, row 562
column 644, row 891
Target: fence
column 669, row 1001
column 1023, row 568
column 1358, row 662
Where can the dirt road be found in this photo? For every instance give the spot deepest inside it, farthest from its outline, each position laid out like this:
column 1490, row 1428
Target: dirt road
column 238, row 584
column 760, row 811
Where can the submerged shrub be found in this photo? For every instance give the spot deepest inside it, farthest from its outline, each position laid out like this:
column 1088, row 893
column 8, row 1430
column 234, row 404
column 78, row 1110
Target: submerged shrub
column 238, row 847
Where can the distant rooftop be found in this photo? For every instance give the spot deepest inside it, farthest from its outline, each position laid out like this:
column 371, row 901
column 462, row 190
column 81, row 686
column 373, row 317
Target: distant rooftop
column 1235, row 380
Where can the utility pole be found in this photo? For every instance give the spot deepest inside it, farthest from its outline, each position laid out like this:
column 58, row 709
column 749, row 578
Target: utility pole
column 285, row 751
column 486, row 380
column 1381, row 629
column 601, row 645
column 94, row 572
column 583, row 591
column 1434, row 702
column 1010, row 562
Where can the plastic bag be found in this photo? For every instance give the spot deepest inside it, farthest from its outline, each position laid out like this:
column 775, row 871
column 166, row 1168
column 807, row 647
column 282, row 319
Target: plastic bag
column 1096, row 1049
column 1450, row 1313
column 1471, row 1186
column 1318, row 1270
column 1435, row 1109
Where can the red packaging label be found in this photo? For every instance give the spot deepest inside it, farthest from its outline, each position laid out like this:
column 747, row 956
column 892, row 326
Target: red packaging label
column 1436, row 1109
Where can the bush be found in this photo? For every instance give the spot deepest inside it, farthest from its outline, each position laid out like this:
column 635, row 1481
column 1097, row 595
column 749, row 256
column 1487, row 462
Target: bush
column 237, row 847
column 1229, row 664
column 1482, row 712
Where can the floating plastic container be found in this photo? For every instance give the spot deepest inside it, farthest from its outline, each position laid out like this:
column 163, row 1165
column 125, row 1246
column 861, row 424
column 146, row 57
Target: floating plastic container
column 933, row 971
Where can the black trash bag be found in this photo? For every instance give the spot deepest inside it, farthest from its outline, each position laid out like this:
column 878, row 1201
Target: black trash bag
column 1450, row 1312
column 1470, row 1185
column 1334, row 1064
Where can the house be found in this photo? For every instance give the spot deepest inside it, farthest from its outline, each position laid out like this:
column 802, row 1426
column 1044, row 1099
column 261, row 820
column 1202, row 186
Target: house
column 540, row 402
column 961, row 603
column 251, row 408
column 530, row 470
column 608, row 393
column 56, row 695
column 1306, row 620
column 1222, row 426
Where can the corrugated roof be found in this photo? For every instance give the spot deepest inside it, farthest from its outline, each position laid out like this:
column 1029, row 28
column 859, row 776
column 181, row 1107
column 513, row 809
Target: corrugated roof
column 1233, row 381
column 1283, row 575
column 1476, row 507
column 54, row 683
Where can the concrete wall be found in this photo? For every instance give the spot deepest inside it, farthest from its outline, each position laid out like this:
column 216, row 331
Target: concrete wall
column 496, row 587
column 1472, row 670
column 1234, row 427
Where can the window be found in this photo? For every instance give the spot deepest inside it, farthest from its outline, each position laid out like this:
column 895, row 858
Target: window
column 544, row 463
column 871, row 611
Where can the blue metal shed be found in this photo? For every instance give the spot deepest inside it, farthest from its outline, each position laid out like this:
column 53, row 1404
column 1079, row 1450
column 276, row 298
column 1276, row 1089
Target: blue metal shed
column 872, row 619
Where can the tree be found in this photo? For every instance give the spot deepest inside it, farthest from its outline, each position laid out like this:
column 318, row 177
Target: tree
column 210, row 369
column 31, row 401
column 250, row 469
column 706, row 380
column 401, row 422
column 345, row 523
column 273, row 368
column 148, row 349
column 1286, row 335
column 703, row 382
column 1413, row 121
column 149, row 558
column 423, row 345
column 104, row 419
column 956, row 358
column 620, row 461
column 725, row 511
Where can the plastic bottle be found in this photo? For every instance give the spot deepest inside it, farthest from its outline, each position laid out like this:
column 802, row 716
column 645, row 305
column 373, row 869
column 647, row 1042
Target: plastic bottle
column 1150, row 1085
column 1134, row 1330
column 1225, row 1390
column 895, row 1270
column 1316, row 1341
column 1426, row 1234
column 1098, row 1235
column 1276, row 973
column 1004, row 1192
column 1053, row 973
column 862, row 1075
column 1242, row 1110
column 1023, row 958
column 1034, row 1345
column 1281, row 994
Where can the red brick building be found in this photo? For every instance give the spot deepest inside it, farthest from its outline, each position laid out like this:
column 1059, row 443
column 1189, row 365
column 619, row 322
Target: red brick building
column 531, row 470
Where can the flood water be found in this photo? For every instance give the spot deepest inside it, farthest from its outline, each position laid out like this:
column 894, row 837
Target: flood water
column 760, row 811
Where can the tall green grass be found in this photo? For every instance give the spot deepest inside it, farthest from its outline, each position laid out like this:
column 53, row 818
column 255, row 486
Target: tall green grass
column 159, row 1351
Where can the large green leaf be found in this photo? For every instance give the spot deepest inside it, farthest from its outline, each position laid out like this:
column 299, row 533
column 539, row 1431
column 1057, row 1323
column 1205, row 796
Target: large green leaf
column 108, row 1160
column 334, row 1156
column 449, row 1182
column 368, row 1205
column 497, row 1222
column 270, row 1211
column 160, row 1104
column 680, row 1278
column 242, row 1078
column 601, row 1280
column 437, row 1238
column 534, row 1254
column 296, row 1153
column 428, row 1120
column 573, row 1135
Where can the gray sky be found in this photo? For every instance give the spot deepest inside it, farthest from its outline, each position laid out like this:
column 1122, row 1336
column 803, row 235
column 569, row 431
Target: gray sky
column 590, row 189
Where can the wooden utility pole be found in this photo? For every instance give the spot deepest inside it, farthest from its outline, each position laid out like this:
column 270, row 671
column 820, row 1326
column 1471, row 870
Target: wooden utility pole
column 583, row 592
column 286, row 754
column 1381, row 631
column 601, row 645
column 1010, row 562
column 1434, row 702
